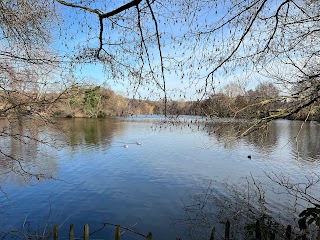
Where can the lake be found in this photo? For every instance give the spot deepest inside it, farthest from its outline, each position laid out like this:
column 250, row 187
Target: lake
column 138, row 172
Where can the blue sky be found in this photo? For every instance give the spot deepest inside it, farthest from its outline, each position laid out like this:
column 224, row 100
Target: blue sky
column 81, row 28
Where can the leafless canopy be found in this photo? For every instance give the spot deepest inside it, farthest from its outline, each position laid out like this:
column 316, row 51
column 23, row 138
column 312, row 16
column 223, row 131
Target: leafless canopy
column 182, row 46
column 177, row 49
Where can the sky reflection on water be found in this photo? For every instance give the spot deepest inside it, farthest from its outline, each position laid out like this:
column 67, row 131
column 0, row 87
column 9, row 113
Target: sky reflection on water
column 138, row 171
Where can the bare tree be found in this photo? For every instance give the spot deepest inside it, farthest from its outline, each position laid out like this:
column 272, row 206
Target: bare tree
column 126, row 40
column 234, row 89
column 150, row 43
column 29, row 70
column 278, row 40
column 28, row 67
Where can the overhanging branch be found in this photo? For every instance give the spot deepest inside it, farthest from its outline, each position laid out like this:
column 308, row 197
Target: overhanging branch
column 102, row 15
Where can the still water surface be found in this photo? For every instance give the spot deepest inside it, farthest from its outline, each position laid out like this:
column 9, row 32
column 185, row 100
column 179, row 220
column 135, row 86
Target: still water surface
column 138, row 172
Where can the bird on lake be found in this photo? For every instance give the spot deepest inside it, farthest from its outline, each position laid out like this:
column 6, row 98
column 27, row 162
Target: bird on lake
column 125, row 146
column 249, row 156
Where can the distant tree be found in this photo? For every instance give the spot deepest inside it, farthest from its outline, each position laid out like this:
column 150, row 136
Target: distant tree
column 92, row 101
column 234, row 89
column 267, row 91
column 202, row 41
column 74, row 102
column 148, row 43
column 263, row 101
column 218, row 105
column 240, row 102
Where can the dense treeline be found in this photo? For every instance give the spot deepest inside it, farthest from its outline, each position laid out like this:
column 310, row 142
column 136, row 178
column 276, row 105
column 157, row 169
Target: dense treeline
column 95, row 101
column 232, row 101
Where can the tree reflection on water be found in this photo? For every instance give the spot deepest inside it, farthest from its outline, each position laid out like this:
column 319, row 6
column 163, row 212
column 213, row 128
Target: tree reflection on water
column 301, row 136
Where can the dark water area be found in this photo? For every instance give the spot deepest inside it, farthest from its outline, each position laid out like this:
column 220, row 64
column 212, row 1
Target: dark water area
column 138, row 172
